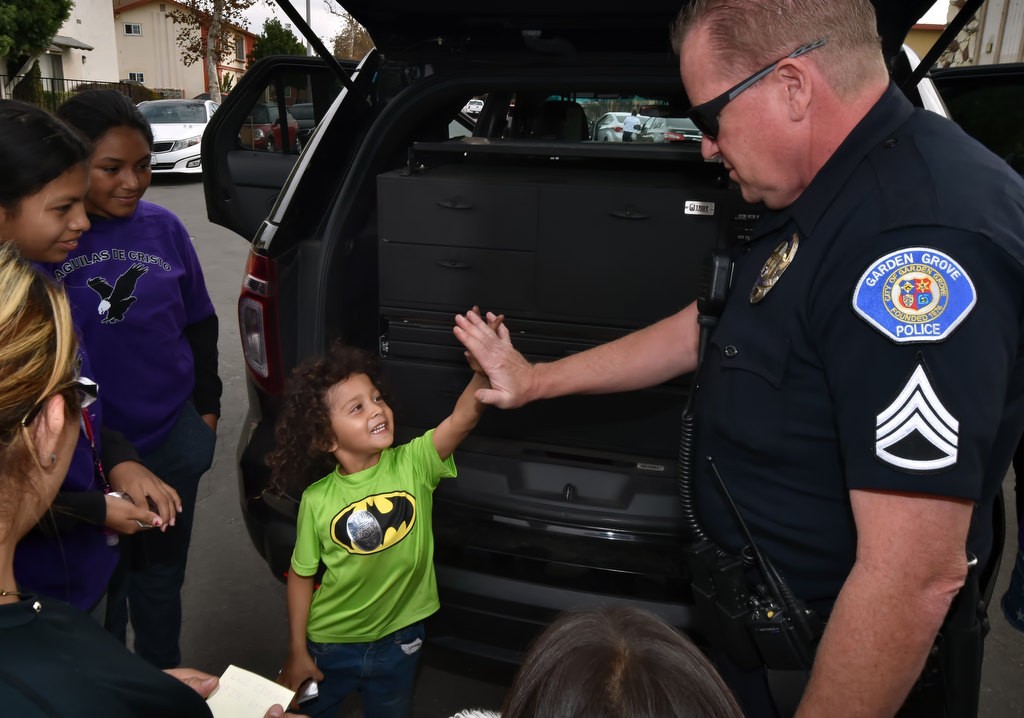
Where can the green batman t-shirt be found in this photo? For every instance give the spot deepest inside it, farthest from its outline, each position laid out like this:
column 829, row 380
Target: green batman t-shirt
column 373, row 532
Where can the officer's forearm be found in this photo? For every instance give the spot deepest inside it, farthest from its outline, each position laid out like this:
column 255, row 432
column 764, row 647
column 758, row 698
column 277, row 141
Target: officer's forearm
column 873, row 649
column 644, row 358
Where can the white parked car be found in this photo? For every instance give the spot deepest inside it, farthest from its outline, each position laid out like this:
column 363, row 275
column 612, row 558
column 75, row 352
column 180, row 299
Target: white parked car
column 178, row 127
column 473, row 107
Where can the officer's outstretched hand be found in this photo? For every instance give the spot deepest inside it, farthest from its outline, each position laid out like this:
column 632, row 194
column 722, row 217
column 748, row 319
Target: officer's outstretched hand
column 489, row 347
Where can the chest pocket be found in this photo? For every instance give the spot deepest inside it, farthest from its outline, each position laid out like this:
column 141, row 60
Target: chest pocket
column 747, row 368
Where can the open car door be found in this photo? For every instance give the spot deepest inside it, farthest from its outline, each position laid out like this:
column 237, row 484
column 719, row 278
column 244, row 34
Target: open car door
column 253, row 141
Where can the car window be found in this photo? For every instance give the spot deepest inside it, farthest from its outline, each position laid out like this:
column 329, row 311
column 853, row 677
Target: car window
column 1002, row 131
column 262, row 130
column 680, row 123
column 581, row 116
column 302, row 111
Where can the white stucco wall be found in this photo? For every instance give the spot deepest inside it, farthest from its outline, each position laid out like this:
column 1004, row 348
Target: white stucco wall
column 155, row 53
column 91, row 21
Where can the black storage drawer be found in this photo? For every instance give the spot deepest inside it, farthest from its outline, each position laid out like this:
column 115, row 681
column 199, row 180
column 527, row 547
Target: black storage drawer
column 456, row 278
column 480, row 209
column 415, row 337
column 627, row 255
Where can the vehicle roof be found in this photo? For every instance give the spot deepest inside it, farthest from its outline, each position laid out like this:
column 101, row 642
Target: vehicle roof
column 411, row 26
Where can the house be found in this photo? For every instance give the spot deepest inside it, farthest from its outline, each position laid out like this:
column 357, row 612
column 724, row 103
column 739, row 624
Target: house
column 83, row 48
column 81, row 51
column 147, row 49
column 994, row 35
column 1000, row 34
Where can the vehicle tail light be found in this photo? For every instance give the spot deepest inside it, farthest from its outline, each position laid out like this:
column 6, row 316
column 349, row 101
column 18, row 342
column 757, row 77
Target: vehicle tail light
column 617, row 128
column 674, row 137
column 258, row 323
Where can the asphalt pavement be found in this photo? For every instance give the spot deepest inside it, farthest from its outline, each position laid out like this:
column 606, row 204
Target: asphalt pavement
column 234, row 609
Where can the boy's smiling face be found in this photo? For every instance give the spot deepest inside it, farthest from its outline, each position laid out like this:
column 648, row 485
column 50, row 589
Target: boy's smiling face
column 362, row 423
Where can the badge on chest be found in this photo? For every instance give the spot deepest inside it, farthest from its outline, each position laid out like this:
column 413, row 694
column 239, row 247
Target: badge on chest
column 777, row 263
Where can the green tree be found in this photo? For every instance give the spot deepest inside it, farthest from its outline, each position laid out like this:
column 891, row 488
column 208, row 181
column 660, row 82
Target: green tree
column 276, row 40
column 207, row 33
column 30, row 89
column 353, row 41
column 26, row 29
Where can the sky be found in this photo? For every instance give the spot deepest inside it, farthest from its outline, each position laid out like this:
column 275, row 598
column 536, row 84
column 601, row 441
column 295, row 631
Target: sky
column 327, row 25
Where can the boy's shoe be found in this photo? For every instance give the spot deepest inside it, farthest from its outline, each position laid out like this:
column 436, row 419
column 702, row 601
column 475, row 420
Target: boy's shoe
column 1012, row 601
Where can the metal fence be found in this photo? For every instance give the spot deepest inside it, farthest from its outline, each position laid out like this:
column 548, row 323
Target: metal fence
column 50, row 92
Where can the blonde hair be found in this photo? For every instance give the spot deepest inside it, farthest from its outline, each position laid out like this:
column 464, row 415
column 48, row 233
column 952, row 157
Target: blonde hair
column 38, row 356
column 750, row 34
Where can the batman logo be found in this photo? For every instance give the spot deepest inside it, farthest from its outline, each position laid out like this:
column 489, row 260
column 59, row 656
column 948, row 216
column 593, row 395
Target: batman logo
column 374, row 523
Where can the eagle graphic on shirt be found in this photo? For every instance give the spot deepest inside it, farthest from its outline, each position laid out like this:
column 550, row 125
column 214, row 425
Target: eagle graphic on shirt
column 116, row 300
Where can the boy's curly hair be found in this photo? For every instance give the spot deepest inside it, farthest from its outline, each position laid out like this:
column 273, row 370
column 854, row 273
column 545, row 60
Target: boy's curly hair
column 303, row 430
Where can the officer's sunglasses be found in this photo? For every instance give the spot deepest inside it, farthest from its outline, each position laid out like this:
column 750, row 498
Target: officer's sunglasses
column 705, row 115
column 87, row 391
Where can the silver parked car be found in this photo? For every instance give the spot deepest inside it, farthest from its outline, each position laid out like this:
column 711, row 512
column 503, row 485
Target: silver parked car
column 608, row 127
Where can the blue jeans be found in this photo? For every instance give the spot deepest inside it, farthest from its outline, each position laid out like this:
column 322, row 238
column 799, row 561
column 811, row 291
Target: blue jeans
column 384, row 672
column 147, row 584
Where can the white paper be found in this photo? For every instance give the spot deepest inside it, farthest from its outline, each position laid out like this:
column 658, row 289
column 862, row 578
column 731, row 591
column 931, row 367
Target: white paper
column 244, row 694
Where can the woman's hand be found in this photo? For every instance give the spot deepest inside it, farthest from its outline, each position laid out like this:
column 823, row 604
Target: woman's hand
column 127, row 517
column 202, row 683
column 146, row 490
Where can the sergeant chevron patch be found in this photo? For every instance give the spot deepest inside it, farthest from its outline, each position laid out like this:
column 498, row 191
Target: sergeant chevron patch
column 915, row 432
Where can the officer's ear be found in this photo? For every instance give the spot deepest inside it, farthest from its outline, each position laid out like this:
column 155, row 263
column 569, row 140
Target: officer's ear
column 796, row 82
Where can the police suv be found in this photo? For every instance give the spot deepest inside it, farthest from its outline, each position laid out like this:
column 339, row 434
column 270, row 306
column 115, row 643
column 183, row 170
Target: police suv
column 400, row 211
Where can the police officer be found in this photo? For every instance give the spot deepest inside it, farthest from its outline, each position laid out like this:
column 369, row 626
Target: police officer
column 862, row 393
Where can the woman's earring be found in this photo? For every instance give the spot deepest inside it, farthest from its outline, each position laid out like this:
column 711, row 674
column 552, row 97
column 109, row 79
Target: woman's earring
column 53, row 459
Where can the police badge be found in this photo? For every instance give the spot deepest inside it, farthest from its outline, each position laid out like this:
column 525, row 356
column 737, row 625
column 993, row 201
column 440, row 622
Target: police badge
column 780, row 259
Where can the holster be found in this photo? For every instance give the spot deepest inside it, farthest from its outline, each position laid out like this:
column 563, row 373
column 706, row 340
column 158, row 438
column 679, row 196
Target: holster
column 950, row 682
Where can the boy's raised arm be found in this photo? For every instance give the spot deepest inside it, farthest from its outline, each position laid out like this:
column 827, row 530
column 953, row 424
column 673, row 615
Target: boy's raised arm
column 467, row 412
column 450, row 432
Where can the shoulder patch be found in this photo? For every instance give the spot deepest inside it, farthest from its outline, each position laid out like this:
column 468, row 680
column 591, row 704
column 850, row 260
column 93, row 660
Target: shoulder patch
column 916, row 432
column 916, row 294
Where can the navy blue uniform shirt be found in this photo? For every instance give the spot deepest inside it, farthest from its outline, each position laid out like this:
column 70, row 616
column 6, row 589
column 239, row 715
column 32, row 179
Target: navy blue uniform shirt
column 885, row 357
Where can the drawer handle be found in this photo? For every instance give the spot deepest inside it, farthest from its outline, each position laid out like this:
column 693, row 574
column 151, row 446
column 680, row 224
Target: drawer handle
column 454, row 204
column 452, row 264
column 628, row 214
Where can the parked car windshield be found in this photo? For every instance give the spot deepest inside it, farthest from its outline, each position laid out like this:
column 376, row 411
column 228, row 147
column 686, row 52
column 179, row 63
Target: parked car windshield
column 159, row 113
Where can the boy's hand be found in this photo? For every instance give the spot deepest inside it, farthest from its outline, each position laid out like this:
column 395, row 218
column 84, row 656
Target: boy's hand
column 298, row 668
column 494, row 322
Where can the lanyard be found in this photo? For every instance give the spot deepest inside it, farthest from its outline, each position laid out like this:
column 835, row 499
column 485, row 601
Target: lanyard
column 97, row 466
